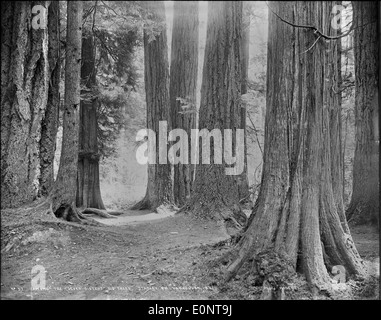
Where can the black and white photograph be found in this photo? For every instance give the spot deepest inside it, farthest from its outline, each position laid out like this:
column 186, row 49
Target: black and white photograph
column 179, row 151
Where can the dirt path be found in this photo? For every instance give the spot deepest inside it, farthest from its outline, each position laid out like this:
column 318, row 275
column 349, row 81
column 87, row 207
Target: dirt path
column 141, row 256
column 130, row 217
column 154, row 260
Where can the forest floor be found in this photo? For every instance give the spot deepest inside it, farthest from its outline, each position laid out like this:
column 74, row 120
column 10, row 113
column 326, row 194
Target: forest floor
column 139, row 256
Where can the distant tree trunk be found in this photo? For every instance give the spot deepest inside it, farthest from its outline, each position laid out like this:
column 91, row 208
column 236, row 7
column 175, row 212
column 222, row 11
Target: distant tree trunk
column 24, row 94
column 88, row 187
column 63, row 195
column 156, row 78
column 243, row 181
column 364, row 205
column 183, row 84
column 215, row 193
column 296, row 219
column 50, row 121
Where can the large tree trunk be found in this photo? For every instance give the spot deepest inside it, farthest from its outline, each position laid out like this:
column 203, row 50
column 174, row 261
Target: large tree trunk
column 24, row 94
column 243, row 181
column 364, row 205
column 88, row 187
column 183, row 84
column 296, row 216
column 156, row 78
column 50, row 121
column 334, row 99
column 216, row 193
column 63, row 195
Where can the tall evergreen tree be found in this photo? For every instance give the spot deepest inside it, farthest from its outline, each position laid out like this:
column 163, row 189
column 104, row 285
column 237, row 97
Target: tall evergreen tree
column 63, row 195
column 183, row 85
column 215, row 194
column 88, row 187
column 296, row 220
column 156, row 77
column 50, row 121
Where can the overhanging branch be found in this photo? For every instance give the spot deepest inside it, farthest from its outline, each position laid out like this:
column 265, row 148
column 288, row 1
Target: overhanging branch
column 316, row 30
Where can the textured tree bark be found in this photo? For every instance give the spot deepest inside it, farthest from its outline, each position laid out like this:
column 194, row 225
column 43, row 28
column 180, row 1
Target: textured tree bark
column 243, row 181
column 215, row 194
column 297, row 214
column 88, row 187
column 156, row 78
column 24, row 88
column 333, row 98
column 63, row 195
column 183, row 84
column 50, row 120
column 364, row 205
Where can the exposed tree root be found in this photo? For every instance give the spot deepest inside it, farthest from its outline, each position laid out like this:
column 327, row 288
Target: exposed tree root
column 337, row 247
column 98, row 212
column 182, row 209
column 72, row 214
column 164, row 208
column 115, row 213
column 143, row 204
column 41, row 211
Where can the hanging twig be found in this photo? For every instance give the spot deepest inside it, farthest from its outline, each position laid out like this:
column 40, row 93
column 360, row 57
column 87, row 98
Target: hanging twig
column 312, row 45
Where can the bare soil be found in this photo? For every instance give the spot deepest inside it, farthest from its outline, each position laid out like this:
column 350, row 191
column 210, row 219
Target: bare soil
column 141, row 255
